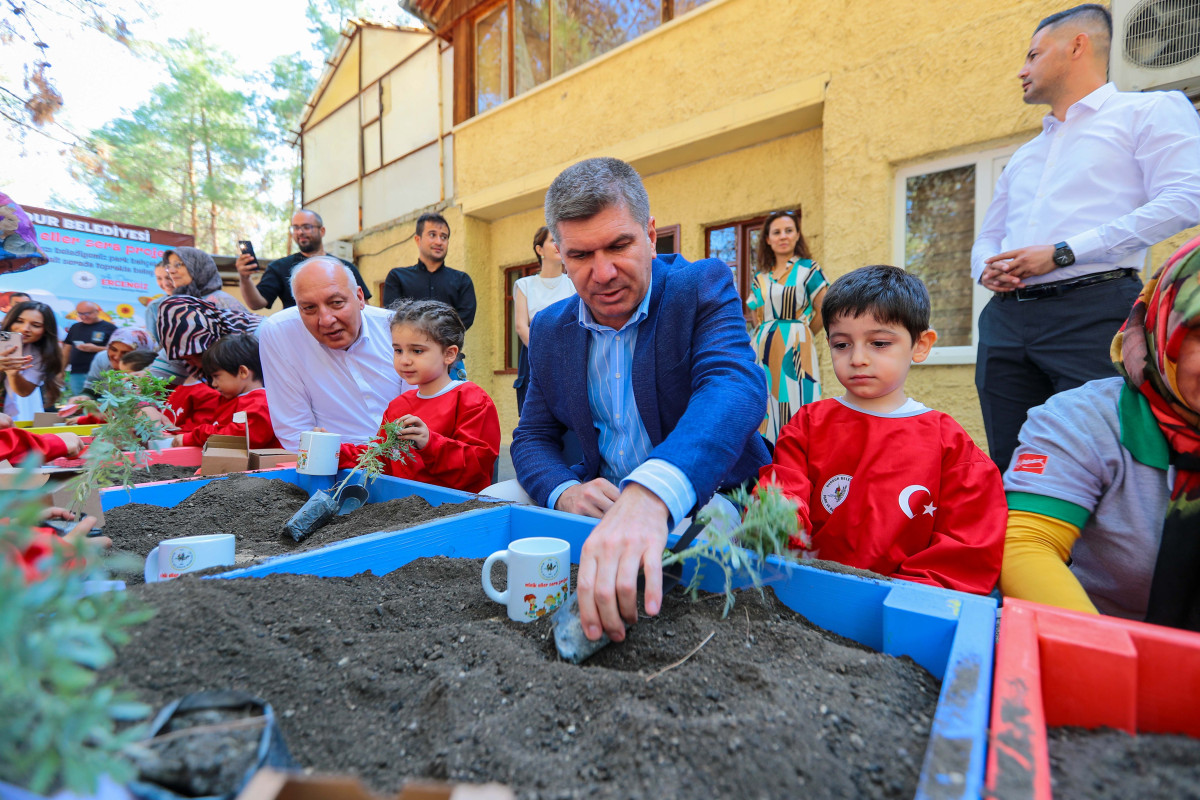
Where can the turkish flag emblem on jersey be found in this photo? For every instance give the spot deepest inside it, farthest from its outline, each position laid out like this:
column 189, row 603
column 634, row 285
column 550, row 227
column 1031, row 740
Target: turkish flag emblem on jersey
column 1031, row 462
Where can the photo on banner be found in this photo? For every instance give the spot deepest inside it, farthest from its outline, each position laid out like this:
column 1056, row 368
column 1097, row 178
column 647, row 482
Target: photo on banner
column 109, row 263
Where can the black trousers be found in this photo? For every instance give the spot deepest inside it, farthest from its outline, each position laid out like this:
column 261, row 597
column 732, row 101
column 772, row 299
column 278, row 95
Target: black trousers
column 1032, row 349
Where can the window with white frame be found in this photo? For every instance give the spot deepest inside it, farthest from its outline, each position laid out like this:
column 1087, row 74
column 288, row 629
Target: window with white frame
column 939, row 209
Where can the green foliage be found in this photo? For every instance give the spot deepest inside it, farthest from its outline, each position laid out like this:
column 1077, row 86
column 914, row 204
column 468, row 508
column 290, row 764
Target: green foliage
column 121, row 398
column 765, row 529
column 387, row 445
column 58, row 724
column 192, row 158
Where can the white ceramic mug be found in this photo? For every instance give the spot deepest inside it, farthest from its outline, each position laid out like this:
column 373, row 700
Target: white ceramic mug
column 174, row 557
column 539, row 577
column 318, row 453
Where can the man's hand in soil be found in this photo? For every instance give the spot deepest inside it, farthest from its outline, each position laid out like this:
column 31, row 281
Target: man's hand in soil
column 630, row 537
column 591, row 499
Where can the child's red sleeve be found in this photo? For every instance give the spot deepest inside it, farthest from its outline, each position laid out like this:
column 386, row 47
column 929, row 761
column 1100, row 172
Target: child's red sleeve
column 193, row 405
column 258, row 420
column 464, row 459
column 789, row 470
column 200, row 434
column 967, row 545
column 16, row 443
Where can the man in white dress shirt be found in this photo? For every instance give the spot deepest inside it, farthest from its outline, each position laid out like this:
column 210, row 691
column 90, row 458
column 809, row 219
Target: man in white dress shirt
column 327, row 361
column 1074, row 211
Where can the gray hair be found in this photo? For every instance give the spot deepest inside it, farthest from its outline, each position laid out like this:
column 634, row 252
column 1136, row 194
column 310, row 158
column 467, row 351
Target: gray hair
column 583, row 190
column 350, row 281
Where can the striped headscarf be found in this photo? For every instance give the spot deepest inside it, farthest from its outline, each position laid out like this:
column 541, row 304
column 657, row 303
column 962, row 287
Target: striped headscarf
column 188, row 326
column 202, row 268
column 1146, row 352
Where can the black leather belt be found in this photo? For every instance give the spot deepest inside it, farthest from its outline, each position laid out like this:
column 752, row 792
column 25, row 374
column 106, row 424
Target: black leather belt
column 1059, row 288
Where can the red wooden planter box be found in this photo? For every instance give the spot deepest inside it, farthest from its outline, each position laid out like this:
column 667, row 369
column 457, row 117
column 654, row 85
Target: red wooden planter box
column 1056, row 667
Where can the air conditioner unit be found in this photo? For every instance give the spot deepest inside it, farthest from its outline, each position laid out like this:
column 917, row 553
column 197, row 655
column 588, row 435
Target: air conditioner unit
column 340, row 248
column 1156, row 45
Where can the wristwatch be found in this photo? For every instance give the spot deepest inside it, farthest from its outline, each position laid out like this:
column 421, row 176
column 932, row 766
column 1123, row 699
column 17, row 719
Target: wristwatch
column 1063, row 255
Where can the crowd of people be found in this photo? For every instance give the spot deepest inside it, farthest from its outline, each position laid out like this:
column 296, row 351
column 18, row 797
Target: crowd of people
column 642, row 394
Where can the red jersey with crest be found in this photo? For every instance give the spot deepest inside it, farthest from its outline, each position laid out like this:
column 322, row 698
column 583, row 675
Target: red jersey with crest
column 464, row 438
column 258, row 419
column 193, row 404
column 907, row 495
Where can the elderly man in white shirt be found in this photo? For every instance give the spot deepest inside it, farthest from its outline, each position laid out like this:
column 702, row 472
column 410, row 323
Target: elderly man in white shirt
column 1111, row 174
column 327, row 362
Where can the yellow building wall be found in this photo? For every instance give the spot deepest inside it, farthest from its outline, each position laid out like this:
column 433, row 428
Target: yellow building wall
column 907, row 83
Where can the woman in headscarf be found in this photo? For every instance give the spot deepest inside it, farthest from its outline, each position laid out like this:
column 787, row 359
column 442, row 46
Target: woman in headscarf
column 122, row 341
column 187, row 326
column 194, row 273
column 1104, row 489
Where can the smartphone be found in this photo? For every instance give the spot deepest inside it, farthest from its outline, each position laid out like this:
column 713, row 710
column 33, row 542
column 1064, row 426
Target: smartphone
column 247, row 248
column 9, row 341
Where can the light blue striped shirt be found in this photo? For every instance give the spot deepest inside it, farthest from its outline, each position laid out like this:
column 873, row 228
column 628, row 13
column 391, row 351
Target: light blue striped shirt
column 624, row 444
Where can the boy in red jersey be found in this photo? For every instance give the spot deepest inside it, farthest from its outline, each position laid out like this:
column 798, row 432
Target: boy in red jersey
column 882, row 482
column 234, row 367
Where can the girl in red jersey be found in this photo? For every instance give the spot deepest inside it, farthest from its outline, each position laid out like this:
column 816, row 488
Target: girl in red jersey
column 452, row 424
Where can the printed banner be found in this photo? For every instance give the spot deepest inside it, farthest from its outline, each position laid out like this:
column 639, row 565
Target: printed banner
column 109, row 263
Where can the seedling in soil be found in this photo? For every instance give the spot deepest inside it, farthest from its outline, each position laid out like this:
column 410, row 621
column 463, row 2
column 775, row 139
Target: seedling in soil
column 120, row 398
column 765, row 528
column 323, row 506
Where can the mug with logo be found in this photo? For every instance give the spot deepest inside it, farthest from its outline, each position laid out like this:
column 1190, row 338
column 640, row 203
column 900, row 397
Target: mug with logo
column 318, row 453
column 539, row 577
column 175, row 557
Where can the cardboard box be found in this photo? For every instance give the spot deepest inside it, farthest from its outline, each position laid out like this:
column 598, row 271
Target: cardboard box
column 268, row 457
column 269, row 784
column 47, row 419
column 224, row 454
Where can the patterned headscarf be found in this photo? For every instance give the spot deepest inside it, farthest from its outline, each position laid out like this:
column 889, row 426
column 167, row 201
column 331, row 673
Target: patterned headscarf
column 202, row 268
column 1146, row 352
column 134, row 337
column 188, row 326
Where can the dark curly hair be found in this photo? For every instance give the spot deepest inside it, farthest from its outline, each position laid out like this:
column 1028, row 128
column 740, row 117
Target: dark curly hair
column 434, row 318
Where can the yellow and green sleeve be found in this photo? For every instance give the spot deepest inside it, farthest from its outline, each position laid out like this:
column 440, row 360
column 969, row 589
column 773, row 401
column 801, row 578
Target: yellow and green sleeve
column 1036, row 550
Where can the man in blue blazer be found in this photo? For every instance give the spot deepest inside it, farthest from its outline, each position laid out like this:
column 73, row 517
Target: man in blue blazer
column 651, row 367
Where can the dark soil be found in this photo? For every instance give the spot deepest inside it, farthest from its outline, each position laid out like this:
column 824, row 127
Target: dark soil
column 165, row 472
column 418, row 674
column 1107, row 763
column 254, row 510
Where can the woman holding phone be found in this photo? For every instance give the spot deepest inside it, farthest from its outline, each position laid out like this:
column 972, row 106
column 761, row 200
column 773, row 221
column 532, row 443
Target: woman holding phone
column 31, row 360
column 194, row 273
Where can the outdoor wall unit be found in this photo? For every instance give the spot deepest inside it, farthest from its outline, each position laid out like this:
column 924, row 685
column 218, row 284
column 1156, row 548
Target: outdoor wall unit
column 1156, row 45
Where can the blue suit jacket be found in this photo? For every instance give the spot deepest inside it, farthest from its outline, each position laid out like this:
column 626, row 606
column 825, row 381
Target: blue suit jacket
column 699, row 392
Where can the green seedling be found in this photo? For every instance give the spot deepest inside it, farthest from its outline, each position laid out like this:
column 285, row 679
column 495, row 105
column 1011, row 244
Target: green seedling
column 386, row 446
column 120, row 398
column 766, row 527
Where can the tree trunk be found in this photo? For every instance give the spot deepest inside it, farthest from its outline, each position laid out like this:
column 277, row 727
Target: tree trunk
column 212, row 203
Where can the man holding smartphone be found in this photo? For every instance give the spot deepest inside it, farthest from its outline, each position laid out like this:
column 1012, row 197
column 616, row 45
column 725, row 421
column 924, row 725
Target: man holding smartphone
column 308, row 232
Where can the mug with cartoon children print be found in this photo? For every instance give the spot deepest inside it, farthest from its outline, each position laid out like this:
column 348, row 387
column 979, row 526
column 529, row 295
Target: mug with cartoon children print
column 539, row 577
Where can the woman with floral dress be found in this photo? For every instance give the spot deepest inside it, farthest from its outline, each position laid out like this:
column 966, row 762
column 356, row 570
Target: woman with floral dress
column 786, row 300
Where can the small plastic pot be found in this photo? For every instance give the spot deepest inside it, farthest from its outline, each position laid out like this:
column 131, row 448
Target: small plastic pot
column 569, row 639
column 319, row 509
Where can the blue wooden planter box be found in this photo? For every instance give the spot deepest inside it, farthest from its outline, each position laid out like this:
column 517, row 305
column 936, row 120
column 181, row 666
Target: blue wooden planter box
column 171, row 493
column 949, row 633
